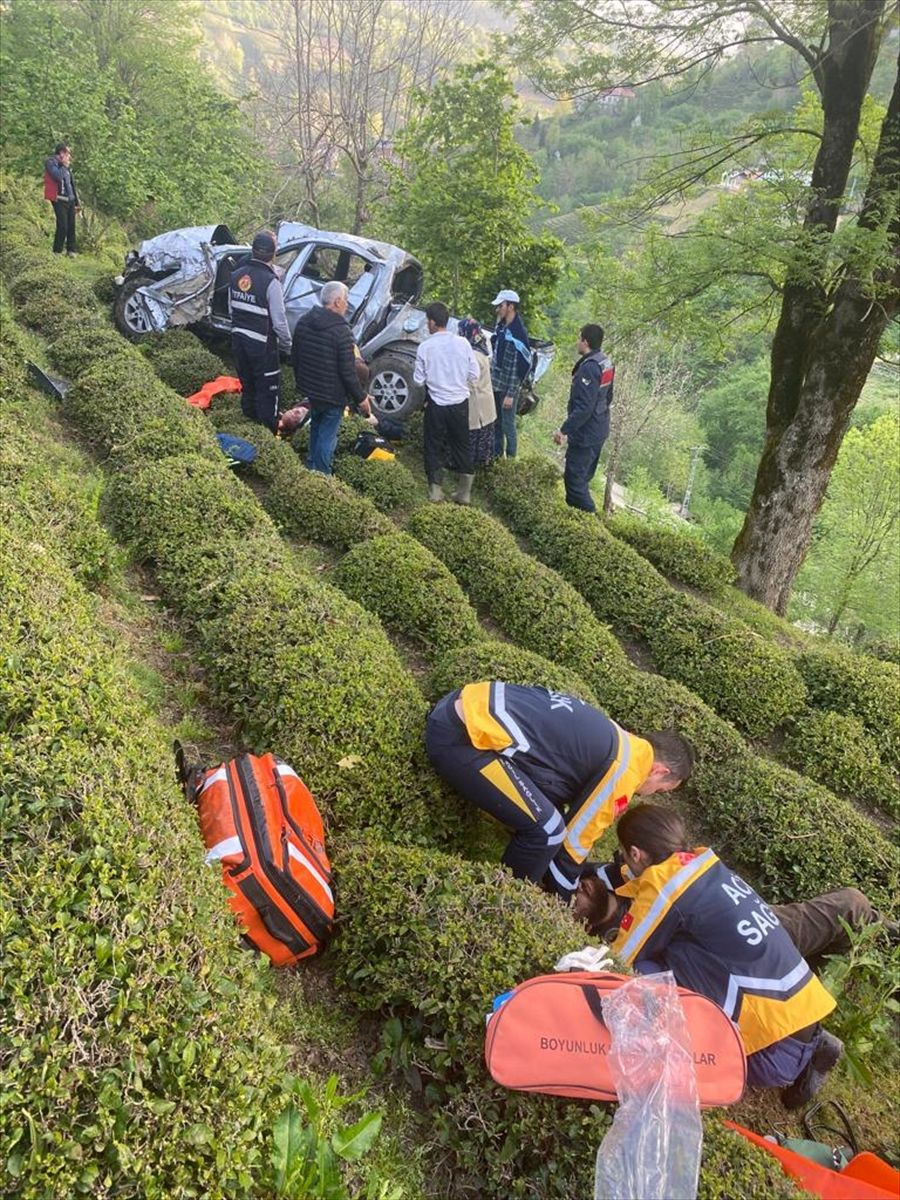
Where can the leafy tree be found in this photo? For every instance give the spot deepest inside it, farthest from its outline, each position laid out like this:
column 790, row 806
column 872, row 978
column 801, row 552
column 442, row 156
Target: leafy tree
column 854, row 564
column 153, row 140
column 462, row 192
column 836, row 288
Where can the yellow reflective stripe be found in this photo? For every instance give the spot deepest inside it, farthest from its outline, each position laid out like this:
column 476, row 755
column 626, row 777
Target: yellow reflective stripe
column 495, row 774
column 485, row 731
column 764, row 1020
column 654, row 902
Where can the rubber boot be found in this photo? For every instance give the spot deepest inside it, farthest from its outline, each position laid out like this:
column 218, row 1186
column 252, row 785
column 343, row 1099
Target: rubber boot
column 435, row 492
column 463, row 493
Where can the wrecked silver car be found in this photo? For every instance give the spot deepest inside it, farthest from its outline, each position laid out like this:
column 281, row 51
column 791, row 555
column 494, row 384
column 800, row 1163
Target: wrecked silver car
column 182, row 278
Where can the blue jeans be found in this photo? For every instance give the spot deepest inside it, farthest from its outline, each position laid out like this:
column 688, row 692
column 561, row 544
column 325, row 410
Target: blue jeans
column 324, row 424
column 505, row 428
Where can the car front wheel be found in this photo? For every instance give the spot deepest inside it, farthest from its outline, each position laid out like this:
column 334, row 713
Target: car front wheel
column 128, row 311
column 391, row 386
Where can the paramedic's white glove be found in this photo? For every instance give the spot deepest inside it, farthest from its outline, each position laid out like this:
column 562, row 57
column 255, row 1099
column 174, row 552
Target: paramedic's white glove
column 591, row 958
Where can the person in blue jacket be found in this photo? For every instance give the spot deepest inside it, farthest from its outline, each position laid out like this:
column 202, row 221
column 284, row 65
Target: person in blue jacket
column 510, row 366
column 586, row 426
column 683, row 910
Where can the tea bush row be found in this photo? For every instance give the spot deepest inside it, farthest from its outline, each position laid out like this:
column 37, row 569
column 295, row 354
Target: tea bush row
column 677, row 553
column 791, row 836
column 142, row 1053
column 305, row 670
column 433, row 940
column 837, row 751
column 743, row 677
column 860, row 686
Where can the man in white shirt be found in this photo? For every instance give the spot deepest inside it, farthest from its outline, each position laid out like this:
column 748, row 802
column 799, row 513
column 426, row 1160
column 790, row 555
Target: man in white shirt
column 445, row 364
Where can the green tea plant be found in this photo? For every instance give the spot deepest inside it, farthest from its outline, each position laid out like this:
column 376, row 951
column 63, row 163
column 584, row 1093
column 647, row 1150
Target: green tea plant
column 865, row 981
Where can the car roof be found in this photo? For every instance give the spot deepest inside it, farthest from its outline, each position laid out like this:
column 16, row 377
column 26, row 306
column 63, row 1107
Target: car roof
column 294, row 231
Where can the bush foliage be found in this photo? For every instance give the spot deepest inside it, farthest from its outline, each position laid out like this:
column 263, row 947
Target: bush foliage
column 181, row 361
column 861, row 686
column 837, row 751
column 743, row 677
column 389, row 485
column 411, row 591
column 677, row 553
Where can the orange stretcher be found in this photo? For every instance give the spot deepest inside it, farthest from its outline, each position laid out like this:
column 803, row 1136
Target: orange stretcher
column 866, row 1177
column 222, row 383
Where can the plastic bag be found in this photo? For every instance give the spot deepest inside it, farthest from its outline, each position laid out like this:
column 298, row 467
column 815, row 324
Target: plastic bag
column 652, row 1150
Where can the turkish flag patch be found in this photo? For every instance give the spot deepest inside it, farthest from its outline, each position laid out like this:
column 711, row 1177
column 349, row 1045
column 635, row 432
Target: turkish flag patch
column 627, row 921
column 620, row 804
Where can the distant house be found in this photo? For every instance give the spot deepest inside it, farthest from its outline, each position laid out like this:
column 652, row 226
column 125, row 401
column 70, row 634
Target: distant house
column 615, row 97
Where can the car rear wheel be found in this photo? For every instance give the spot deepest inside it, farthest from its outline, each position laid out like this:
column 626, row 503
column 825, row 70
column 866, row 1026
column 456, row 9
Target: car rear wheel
column 128, row 312
column 391, row 385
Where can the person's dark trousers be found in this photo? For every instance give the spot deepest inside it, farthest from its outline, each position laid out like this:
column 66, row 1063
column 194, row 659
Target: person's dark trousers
column 324, row 423
column 259, row 371
column 814, row 926
column 505, row 429
column 494, row 784
column 581, row 464
column 64, row 211
column 447, row 439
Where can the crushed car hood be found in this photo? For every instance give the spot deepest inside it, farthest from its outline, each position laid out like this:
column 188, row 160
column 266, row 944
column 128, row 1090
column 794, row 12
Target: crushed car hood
column 183, row 248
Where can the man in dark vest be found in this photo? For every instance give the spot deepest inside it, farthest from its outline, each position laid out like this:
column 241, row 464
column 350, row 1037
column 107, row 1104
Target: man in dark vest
column 259, row 329
column 586, row 426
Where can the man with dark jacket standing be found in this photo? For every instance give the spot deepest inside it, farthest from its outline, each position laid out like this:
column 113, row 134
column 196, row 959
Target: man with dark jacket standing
column 510, row 365
column 587, row 425
column 59, row 189
column 325, row 368
column 259, row 329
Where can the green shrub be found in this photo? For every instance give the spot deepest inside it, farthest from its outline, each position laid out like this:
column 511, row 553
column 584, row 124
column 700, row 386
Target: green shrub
column 530, row 603
column 143, row 1052
column 46, row 295
column 677, row 553
column 46, row 488
column 119, row 400
column 306, row 504
column 411, row 591
column 836, row 751
column 859, row 686
column 742, row 676
column 432, row 941
column 389, row 485
column 502, row 660
column 181, row 361
column 78, row 346
column 790, row 836
column 306, row 671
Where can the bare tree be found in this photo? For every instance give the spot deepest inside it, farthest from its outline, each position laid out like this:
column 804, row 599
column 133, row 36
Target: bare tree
column 649, row 386
column 346, row 83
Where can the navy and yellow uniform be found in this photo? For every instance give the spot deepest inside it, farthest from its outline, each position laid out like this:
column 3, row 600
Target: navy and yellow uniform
column 692, row 915
column 554, row 770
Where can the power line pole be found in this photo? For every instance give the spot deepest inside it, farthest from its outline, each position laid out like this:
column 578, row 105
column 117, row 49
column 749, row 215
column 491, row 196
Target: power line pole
column 686, row 502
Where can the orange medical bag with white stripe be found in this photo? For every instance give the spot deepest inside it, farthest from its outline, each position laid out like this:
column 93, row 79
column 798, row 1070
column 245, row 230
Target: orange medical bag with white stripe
column 260, row 822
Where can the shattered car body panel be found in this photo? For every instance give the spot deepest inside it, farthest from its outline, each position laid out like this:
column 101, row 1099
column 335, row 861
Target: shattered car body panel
column 182, row 278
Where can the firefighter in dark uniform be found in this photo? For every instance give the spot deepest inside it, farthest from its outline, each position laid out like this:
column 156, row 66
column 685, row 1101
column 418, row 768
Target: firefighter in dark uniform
column 586, row 426
column 259, row 329
column 551, row 768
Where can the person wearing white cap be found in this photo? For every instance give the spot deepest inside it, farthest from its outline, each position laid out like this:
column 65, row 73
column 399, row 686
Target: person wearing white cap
column 511, row 364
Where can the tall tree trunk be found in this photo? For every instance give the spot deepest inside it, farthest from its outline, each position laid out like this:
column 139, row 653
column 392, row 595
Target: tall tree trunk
column 825, row 342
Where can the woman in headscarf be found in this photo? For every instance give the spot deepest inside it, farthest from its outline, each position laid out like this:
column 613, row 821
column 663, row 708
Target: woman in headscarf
column 482, row 410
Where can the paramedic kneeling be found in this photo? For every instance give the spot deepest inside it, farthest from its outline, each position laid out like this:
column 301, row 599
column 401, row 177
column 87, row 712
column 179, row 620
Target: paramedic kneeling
column 554, row 770
column 692, row 915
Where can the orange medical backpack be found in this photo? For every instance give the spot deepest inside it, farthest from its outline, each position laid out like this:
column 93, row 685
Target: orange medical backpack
column 549, row 1036
column 259, row 820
